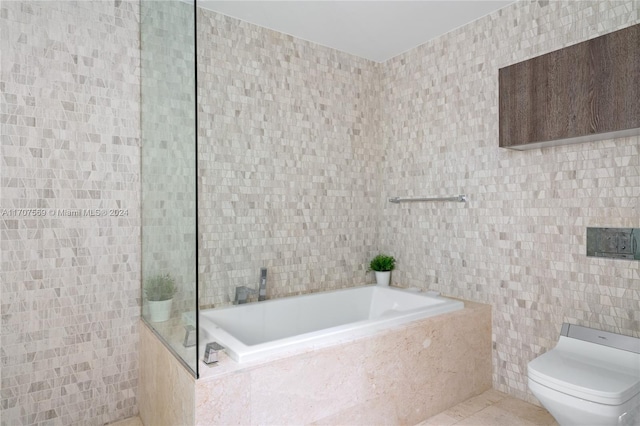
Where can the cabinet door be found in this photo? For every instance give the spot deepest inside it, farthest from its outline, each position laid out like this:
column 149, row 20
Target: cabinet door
column 588, row 89
column 615, row 64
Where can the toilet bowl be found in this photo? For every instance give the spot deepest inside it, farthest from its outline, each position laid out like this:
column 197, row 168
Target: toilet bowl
column 591, row 377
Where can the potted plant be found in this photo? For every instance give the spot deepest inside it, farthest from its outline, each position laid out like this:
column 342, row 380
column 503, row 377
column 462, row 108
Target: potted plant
column 160, row 290
column 382, row 265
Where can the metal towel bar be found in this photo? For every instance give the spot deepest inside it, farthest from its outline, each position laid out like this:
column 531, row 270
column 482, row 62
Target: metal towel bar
column 458, row 198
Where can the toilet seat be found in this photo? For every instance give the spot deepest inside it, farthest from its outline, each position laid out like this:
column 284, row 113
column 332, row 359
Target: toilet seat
column 588, row 371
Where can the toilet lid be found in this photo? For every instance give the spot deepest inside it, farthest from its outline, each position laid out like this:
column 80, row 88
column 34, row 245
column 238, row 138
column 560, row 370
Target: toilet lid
column 602, row 375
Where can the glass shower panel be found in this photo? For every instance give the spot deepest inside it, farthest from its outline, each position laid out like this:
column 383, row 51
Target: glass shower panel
column 169, row 174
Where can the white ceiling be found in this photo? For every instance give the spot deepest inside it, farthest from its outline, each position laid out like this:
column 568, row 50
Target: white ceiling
column 376, row 30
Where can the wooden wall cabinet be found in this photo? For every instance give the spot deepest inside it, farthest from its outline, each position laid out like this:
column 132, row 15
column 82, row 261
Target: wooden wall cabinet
column 585, row 92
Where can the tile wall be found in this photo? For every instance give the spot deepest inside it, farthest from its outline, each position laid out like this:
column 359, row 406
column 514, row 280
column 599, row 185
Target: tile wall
column 520, row 242
column 69, row 280
column 288, row 160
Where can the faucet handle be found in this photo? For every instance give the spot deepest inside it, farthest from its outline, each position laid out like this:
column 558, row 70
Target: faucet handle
column 262, row 288
column 189, row 336
column 242, row 293
column 211, row 352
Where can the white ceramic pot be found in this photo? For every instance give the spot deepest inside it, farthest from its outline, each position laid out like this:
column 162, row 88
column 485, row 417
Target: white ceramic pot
column 159, row 311
column 383, row 277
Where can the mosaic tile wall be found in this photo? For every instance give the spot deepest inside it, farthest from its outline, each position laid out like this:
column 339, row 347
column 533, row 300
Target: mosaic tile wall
column 520, row 242
column 288, row 159
column 70, row 228
column 168, row 151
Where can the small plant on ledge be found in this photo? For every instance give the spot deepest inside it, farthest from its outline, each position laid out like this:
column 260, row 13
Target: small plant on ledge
column 160, row 287
column 160, row 290
column 382, row 265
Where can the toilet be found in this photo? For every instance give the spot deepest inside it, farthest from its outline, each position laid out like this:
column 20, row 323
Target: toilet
column 591, row 377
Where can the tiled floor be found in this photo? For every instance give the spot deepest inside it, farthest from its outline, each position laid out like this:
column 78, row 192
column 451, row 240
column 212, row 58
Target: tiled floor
column 133, row 421
column 492, row 408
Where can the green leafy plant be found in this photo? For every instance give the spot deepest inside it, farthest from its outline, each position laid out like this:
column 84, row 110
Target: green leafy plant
column 160, row 287
column 382, row 263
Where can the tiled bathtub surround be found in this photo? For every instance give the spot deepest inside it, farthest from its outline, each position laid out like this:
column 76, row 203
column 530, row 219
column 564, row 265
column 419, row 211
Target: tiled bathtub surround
column 166, row 391
column 70, row 297
column 289, row 162
column 520, row 242
column 400, row 376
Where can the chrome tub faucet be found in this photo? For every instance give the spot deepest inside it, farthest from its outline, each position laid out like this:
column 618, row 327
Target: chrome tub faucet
column 242, row 294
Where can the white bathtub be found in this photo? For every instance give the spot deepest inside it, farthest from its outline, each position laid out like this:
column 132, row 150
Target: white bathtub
column 264, row 330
